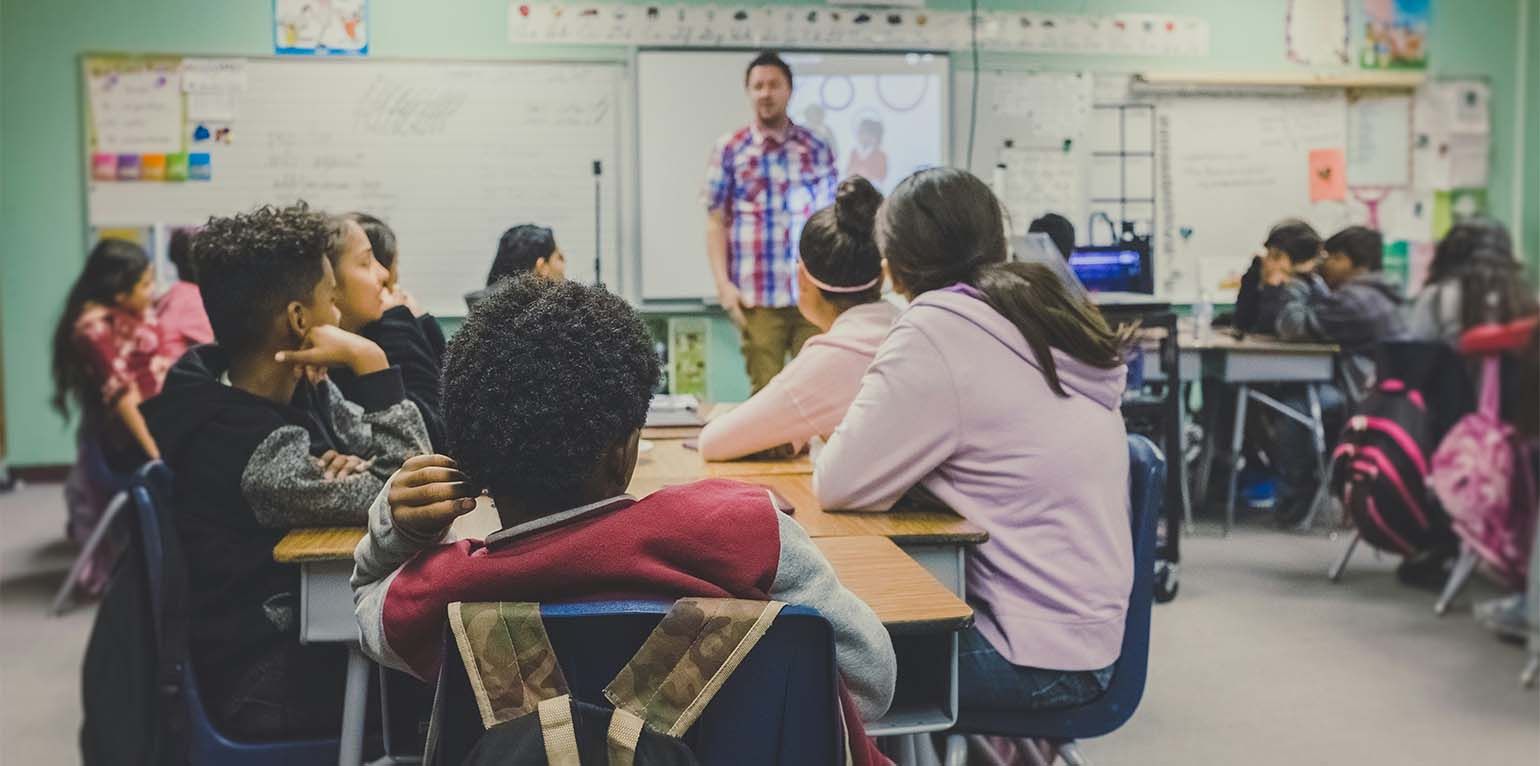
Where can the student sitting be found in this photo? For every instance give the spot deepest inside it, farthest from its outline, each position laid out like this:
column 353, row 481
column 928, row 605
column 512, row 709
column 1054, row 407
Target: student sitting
column 389, row 316
column 1059, row 229
column 840, row 291
column 107, row 358
column 1474, row 258
column 183, row 322
column 1289, row 252
column 257, row 448
column 547, row 386
column 997, row 394
column 1348, row 300
column 525, row 248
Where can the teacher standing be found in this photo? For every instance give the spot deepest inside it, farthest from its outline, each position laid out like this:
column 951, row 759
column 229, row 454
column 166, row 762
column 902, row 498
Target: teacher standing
column 763, row 182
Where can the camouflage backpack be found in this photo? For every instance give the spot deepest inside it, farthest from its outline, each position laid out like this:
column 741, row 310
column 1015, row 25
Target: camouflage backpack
column 529, row 717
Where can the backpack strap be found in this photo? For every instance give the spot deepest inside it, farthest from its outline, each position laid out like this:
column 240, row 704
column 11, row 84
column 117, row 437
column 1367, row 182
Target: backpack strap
column 687, row 658
column 558, row 732
column 508, row 657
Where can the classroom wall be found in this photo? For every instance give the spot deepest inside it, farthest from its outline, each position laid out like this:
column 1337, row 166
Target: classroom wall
column 42, row 215
column 1531, row 92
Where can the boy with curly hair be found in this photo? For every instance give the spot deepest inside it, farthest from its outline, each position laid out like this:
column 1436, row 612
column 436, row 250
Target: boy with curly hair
column 259, row 442
column 546, row 389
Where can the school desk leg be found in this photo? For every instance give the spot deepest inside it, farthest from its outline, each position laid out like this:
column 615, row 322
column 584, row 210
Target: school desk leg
column 1237, row 440
column 355, row 701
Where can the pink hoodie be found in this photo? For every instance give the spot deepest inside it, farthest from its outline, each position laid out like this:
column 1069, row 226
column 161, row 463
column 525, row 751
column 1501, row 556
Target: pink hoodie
column 955, row 401
column 809, row 397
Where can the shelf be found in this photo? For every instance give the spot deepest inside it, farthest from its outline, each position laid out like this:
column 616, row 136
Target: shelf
column 1346, row 79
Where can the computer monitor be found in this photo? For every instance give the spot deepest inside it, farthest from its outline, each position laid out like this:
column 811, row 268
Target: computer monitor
column 1120, row 268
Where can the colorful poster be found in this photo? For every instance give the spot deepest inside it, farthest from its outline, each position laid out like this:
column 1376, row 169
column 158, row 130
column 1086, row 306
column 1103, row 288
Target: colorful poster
column 1395, row 34
column 321, row 27
column 1328, row 175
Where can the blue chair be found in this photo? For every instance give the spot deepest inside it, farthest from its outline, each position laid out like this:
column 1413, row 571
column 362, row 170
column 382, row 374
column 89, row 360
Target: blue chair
column 779, row 708
column 1146, row 483
column 150, row 492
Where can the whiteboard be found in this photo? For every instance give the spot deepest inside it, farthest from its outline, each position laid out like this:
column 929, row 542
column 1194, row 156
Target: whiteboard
column 450, row 154
column 1229, row 168
column 687, row 100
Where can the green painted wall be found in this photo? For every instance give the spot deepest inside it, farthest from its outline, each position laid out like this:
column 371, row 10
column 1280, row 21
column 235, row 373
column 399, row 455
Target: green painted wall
column 41, row 191
column 1531, row 213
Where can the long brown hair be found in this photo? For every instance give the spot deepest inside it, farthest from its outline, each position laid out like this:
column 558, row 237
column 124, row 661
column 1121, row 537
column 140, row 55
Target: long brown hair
column 943, row 226
column 113, row 267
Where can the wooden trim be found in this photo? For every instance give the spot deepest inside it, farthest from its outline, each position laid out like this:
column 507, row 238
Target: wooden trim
column 1381, row 80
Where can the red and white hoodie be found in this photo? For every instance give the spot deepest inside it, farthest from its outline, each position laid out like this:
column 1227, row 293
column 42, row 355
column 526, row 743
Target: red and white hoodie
column 714, row 538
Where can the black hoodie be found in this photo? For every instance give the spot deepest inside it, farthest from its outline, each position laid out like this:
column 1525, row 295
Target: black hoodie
column 416, row 345
column 245, row 472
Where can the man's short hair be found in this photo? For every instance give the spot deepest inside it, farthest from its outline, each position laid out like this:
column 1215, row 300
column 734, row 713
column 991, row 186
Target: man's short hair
column 768, row 58
column 540, row 380
column 1364, row 246
column 251, row 265
column 1295, row 238
column 1059, row 229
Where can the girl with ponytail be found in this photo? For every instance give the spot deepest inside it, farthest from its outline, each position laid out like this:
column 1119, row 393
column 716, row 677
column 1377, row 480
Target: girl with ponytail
column 997, row 394
column 839, row 290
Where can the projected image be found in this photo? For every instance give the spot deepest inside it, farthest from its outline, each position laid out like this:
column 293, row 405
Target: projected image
column 883, row 117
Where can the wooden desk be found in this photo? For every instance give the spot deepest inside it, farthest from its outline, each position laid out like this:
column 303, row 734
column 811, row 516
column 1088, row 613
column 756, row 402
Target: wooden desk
column 921, row 613
column 938, row 540
column 1246, row 362
column 670, row 460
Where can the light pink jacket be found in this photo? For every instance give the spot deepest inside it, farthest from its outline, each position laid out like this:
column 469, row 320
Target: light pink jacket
column 809, row 397
column 955, row 401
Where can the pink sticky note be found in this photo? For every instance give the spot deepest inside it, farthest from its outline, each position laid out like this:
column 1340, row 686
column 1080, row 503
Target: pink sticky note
column 1328, row 175
column 104, row 167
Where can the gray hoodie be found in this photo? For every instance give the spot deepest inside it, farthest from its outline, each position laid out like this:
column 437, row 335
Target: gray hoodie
column 1362, row 312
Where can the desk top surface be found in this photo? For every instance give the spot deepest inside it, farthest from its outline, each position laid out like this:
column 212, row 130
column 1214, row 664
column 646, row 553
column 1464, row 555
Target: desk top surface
column 903, row 526
column 899, row 590
column 670, row 459
column 1223, row 340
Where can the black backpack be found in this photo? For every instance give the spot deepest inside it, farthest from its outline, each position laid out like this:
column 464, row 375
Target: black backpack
column 501, row 652
column 1380, row 466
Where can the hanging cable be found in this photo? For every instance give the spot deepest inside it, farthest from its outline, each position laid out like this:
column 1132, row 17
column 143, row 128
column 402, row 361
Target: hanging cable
column 973, row 100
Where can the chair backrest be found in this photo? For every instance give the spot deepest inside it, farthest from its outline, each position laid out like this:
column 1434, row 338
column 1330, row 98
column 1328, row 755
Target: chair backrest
column 1146, row 483
column 150, row 490
column 778, row 708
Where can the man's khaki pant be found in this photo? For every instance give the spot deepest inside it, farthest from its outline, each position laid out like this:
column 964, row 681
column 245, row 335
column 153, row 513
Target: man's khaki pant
column 769, row 336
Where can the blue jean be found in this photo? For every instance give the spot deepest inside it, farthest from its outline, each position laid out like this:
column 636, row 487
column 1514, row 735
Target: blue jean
column 988, row 682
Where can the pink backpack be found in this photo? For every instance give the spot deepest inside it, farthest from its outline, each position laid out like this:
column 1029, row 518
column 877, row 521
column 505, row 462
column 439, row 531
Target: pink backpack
column 1480, row 475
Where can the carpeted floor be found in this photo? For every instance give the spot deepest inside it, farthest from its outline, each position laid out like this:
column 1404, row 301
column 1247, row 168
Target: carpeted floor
column 1259, row 661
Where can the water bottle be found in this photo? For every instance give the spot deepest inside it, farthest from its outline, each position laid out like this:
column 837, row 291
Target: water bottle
column 1204, row 314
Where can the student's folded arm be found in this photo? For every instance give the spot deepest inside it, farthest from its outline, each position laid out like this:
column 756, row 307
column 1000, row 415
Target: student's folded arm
column 862, row 648
column 286, row 487
column 902, row 425
column 406, row 344
column 376, row 562
column 1297, row 311
column 768, row 419
column 382, row 425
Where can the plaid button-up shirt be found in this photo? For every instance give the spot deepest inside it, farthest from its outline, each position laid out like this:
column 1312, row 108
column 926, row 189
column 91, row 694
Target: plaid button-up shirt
column 768, row 186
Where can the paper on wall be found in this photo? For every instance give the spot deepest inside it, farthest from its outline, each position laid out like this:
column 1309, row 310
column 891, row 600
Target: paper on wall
column 1379, row 141
column 1039, row 181
column 137, row 112
column 1468, row 159
column 1044, row 110
column 1316, row 32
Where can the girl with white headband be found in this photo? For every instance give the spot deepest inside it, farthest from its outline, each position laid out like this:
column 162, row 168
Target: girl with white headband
column 839, row 279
